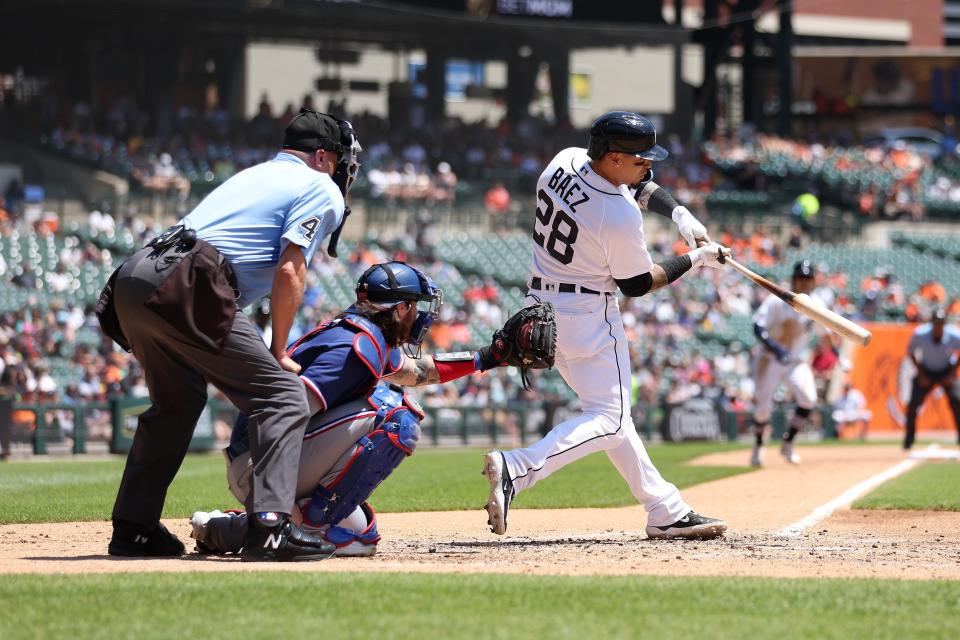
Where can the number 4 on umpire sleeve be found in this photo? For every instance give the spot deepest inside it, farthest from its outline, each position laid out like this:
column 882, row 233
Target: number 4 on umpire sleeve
column 309, row 227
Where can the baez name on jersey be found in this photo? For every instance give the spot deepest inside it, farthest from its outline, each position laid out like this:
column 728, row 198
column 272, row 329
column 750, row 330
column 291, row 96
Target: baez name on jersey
column 567, row 188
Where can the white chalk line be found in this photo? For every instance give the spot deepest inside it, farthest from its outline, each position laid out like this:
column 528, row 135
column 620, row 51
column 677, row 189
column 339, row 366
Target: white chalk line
column 846, row 498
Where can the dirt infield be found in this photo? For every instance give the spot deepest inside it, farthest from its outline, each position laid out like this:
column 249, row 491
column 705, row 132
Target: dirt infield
column 889, row 544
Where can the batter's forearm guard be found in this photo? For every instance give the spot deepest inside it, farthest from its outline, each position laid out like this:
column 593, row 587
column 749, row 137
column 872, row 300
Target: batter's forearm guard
column 653, row 197
column 636, row 286
column 676, row 267
column 763, row 336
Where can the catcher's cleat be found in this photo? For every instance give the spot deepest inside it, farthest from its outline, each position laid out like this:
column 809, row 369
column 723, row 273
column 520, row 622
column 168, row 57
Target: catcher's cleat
column 135, row 540
column 353, row 541
column 501, row 491
column 791, row 456
column 199, row 524
column 692, row 526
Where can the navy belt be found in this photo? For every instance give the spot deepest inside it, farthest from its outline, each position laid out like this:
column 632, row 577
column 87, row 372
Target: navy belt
column 562, row 287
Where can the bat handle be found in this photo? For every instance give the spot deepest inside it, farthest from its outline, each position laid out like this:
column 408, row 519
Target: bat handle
column 722, row 259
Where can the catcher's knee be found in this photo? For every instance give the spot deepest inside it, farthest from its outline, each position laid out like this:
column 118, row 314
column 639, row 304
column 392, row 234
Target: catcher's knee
column 375, row 456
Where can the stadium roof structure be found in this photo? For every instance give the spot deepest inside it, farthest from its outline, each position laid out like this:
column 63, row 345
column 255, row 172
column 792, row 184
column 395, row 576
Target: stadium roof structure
column 392, row 25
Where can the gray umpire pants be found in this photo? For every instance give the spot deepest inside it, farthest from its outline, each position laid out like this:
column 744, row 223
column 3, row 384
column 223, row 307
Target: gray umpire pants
column 177, row 369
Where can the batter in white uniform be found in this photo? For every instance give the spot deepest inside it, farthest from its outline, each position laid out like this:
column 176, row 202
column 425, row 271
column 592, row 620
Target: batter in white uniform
column 782, row 356
column 588, row 242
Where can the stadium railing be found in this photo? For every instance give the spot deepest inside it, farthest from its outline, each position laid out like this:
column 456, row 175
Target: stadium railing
column 443, row 425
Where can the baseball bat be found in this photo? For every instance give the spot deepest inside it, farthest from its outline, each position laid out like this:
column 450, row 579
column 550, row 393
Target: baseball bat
column 802, row 303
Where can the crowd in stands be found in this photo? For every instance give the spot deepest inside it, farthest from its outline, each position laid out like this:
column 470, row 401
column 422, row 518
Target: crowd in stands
column 875, row 180
column 176, row 151
column 51, row 349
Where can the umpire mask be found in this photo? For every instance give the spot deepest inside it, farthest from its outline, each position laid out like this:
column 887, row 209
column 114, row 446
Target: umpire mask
column 348, row 166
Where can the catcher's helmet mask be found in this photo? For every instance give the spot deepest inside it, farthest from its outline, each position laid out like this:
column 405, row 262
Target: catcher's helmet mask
column 392, row 283
column 625, row 132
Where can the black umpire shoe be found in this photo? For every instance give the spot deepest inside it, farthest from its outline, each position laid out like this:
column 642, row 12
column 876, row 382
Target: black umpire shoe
column 135, row 540
column 692, row 526
column 284, row 542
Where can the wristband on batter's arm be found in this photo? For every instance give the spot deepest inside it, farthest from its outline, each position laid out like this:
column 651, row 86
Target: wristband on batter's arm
column 653, row 197
column 451, row 366
column 772, row 345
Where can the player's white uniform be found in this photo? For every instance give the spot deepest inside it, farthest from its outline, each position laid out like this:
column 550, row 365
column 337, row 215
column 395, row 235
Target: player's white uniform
column 587, row 233
column 793, row 332
column 851, row 408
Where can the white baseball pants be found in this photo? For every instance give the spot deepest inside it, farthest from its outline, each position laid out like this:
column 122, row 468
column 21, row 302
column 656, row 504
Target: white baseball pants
column 769, row 373
column 593, row 358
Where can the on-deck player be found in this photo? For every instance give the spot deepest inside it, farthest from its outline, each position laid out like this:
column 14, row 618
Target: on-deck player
column 781, row 356
column 588, row 242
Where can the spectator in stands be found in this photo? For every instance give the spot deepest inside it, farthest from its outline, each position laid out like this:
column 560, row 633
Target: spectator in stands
column 850, row 411
column 13, row 195
column 263, row 125
column 796, row 238
column 825, row 358
column 867, row 202
column 444, row 184
column 25, row 278
column 805, row 209
column 497, row 199
column 932, row 292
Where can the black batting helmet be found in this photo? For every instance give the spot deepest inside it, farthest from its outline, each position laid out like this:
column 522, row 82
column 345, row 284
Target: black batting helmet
column 624, row 132
column 803, row 269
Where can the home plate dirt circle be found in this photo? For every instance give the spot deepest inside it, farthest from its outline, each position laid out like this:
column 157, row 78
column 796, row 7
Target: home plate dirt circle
column 847, row 543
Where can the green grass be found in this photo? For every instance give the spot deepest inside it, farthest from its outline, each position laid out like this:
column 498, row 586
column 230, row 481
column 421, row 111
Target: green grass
column 74, row 490
column 932, row 486
column 389, row 605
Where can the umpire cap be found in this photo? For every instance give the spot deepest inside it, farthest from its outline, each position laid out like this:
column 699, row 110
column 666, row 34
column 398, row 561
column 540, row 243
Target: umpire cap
column 625, row 132
column 311, row 130
column 803, row 269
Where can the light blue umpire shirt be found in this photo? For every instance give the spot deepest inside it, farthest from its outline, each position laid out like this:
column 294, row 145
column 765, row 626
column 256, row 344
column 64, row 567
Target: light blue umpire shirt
column 934, row 356
column 253, row 216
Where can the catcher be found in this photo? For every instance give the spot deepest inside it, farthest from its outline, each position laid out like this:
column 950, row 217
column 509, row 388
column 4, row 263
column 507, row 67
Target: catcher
column 363, row 424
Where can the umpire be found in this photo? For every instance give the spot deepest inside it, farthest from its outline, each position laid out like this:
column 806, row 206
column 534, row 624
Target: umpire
column 933, row 349
column 175, row 304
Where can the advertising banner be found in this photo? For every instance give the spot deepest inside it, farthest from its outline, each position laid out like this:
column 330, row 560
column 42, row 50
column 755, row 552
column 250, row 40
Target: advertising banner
column 884, row 373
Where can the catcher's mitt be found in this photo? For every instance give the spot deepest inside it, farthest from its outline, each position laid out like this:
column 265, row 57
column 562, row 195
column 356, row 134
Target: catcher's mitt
column 528, row 340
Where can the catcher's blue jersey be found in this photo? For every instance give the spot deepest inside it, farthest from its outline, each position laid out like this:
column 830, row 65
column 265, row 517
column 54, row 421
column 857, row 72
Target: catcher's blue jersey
column 341, row 361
